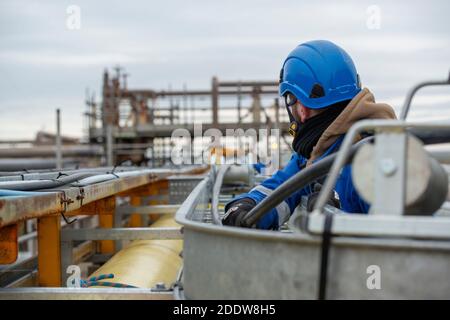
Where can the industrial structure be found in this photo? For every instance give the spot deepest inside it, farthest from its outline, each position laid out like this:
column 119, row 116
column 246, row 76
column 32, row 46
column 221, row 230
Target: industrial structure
column 136, row 124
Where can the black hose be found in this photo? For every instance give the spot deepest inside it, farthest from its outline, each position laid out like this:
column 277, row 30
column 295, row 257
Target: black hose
column 429, row 136
column 295, row 183
column 45, row 184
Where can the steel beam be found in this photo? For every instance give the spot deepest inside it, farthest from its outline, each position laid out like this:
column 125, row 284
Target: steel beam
column 161, row 94
column 248, row 84
column 122, row 234
column 151, row 209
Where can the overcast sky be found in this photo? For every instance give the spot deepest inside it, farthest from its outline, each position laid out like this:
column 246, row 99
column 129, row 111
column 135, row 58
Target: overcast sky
column 45, row 65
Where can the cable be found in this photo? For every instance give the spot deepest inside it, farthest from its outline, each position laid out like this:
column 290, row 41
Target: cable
column 119, row 164
column 325, row 252
column 53, row 174
column 67, row 221
column 96, row 281
column 95, row 179
column 44, row 184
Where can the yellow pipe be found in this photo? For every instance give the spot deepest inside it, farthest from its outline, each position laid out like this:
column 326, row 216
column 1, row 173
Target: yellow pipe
column 144, row 263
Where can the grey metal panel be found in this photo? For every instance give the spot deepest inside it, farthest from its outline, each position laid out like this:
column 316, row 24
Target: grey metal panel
column 407, row 271
column 218, row 266
column 259, row 265
column 236, row 263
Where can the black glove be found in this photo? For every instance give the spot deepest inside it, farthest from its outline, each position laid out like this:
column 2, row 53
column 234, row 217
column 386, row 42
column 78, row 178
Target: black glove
column 237, row 210
column 312, row 199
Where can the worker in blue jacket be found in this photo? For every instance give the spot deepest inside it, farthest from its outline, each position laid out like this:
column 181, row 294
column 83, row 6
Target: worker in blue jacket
column 324, row 98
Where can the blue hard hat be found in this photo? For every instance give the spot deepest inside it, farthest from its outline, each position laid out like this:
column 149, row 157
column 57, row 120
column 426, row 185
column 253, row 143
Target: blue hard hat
column 319, row 74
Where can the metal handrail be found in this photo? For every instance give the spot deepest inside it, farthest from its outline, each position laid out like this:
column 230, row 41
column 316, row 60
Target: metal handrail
column 413, row 91
column 215, row 194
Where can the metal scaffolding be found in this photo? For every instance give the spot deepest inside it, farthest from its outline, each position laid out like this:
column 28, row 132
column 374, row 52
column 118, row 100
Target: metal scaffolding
column 138, row 120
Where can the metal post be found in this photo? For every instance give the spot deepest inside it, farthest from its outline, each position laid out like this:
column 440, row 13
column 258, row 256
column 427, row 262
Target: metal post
column 58, row 140
column 389, row 172
column 239, row 96
column 277, row 113
column 215, row 100
column 145, row 218
column 66, row 259
column 49, row 251
column 117, row 223
column 256, row 108
column 171, row 104
column 276, row 152
column 105, row 99
column 94, row 111
column 109, row 145
column 185, row 104
column 192, row 109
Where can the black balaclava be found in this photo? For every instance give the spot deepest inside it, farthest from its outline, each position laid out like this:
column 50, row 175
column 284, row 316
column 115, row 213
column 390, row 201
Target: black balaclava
column 308, row 133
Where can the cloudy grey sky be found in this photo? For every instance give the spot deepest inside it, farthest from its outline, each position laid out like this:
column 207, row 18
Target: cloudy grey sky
column 45, row 65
